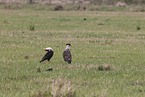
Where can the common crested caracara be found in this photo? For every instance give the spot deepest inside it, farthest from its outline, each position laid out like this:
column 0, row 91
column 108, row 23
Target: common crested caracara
column 48, row 55
column 67, row 54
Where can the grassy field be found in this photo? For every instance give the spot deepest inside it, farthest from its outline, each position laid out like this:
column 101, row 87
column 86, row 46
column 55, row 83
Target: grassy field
column 104, row 38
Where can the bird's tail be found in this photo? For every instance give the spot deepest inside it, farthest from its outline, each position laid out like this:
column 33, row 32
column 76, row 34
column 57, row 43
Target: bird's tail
column 69, row 61
column 40, row 61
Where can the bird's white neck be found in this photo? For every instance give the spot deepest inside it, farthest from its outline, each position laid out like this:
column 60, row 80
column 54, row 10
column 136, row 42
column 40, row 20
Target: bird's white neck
column 67, row 47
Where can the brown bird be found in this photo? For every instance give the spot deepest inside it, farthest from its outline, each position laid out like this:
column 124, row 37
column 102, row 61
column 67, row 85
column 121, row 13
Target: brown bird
column 67, row 54
column 48, row 55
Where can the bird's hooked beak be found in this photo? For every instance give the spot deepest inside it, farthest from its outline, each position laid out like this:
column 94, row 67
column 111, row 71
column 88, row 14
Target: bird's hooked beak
column 45, row 49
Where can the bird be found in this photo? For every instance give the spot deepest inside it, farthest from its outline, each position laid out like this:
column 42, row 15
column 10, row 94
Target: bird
column 67, row 54
column 48, row 55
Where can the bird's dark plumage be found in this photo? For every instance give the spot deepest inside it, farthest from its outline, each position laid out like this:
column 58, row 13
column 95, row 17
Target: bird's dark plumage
column 47, row 56
column 67, row 54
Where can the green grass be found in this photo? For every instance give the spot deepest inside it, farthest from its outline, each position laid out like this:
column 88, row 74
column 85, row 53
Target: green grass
column 115, row 42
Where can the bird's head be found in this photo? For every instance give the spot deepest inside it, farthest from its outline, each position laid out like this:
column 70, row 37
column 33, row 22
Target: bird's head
column 68, row 46
column 48, row 49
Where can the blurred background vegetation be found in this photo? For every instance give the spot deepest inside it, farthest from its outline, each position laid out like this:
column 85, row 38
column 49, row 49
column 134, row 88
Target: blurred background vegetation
column 89, row 5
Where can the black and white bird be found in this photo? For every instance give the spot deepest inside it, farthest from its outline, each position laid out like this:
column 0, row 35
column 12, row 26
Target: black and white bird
column 48, row 55
column 67, row 54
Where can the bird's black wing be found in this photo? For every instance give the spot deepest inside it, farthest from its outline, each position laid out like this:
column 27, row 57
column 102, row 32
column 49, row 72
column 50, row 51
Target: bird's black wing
column 47, row 56
column 67, row 55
